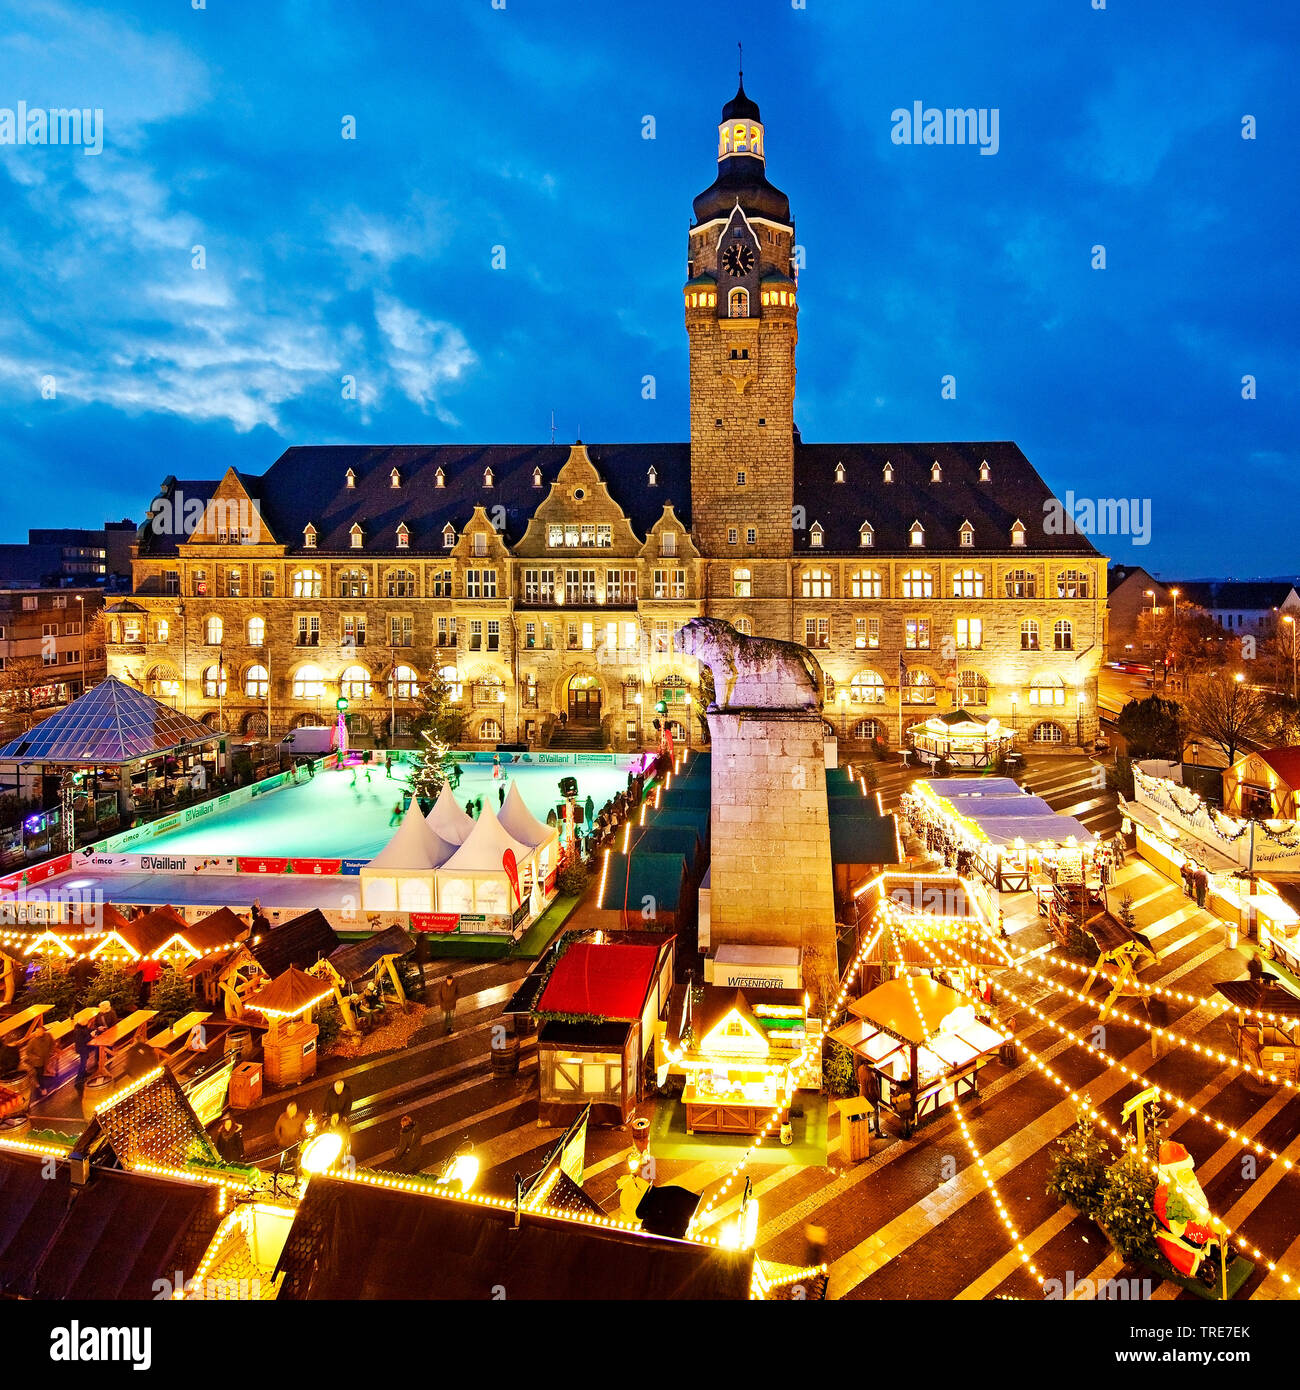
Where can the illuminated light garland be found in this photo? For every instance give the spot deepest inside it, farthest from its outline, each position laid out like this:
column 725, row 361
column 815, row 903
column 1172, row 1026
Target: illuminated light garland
column 129, row 1089
column 1081, row 1102
column 36, row 1146
column 1144, row 1081
column 1003, row 1214
column 1168, row 1035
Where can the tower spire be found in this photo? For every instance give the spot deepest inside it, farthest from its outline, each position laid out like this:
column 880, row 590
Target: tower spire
column 741, row 48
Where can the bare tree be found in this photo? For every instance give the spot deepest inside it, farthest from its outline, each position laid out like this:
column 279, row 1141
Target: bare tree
column 19, row 682
column 1227, row 710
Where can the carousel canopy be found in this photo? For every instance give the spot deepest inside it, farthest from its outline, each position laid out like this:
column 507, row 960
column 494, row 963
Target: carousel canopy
column 289, row 994
column 484, row 847
column 448, row 820
column 518, row 820
column 414, row 845
column 111, row 724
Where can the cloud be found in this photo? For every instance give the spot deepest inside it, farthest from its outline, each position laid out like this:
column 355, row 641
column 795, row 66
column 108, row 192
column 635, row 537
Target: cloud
column 425, row 355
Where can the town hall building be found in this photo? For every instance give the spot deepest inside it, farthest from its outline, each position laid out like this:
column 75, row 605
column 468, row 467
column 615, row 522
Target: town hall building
column 541, row 581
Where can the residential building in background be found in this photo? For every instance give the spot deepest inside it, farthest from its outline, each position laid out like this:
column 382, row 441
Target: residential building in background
column 544, row 582
column 70, row 556
column 51, row 649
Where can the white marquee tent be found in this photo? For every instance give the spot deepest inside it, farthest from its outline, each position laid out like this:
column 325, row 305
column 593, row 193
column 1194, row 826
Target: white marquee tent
column 401, row 877
column 474, row 878
column 448, row 820
column 543, row 839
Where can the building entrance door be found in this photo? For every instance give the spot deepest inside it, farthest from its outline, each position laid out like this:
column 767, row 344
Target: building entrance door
column 584, row 700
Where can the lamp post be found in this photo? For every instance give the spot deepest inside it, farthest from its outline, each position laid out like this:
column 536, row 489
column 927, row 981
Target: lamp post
column 1015, row 705
column 1173, row 648
column 1078, row 718
column 185, row 657
column 1290, row 621
column 844, row 715
column 392, row 695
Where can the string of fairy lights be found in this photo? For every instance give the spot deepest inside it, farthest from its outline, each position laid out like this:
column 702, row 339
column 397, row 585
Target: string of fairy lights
column 1081, row 1102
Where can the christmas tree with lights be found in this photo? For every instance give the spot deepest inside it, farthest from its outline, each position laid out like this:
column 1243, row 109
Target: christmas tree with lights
column 436, row 724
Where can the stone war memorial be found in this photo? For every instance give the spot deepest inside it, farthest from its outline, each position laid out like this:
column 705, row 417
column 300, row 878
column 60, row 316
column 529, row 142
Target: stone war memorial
column 770, row 829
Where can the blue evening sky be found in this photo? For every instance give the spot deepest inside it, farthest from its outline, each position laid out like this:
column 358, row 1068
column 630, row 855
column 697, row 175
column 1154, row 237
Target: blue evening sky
column 522, row 127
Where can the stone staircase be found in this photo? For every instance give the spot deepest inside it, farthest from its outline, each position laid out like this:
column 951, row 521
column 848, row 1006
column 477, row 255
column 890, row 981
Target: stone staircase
column 580, row 738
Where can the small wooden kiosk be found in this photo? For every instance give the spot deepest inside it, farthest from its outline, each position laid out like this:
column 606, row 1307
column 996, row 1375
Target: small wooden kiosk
column 924, row 1043
column 289, row 1047
column 1272, row 1043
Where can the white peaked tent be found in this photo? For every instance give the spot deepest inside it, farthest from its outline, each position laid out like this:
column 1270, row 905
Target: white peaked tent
column 474, row 879
column 542, row 839
column 400, row 878
column 448, row 820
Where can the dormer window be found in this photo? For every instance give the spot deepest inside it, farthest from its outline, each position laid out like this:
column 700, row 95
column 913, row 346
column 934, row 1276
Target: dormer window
column 439, row 478
column 356, row 535
column 839, row 472
column 967, row 534
column 448, row 536
column 351, row 478
column 403, row 537
column 889, row 471
column 652, row 477
column 866, row 536
column 394, row 479
column 1018, row 533
column 537, row 477
column 936, row 473
column 668, row 543
column 917, row 534
column 487, row 477
column 815, row 535
column 309, row 537
column 985, row 475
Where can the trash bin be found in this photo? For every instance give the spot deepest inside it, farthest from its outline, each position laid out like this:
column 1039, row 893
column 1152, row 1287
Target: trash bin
column 855, row 1127
column 246, row 1085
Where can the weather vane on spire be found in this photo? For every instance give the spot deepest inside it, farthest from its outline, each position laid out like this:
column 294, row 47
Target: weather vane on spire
column 741, row 49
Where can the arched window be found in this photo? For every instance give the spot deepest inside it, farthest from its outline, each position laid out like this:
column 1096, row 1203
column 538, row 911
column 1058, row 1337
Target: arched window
column 1047, row 733
column 967, row 584
column 354, row 683
column 867, row 688
column 742, row 585
column 1020, row 584
column 744, row 625
column 1047, row 690
column 816, row 583
column 161, row 683
column 212, row 631
column 305, row 584
column 918, row 584
column 256, row 682
column 918, row 688
column 738, row 304
column 1072, row 584
column 214, row 682
column 972, row 688
column 489, row 731
column 966, row 535
column 866, row 584
column 450, row 677
column 256, row 632
column 400, row 584
column 403, row 683
column 917, row 535
column 868, row 730
column 866, row 536
column 1029, row 635
column 356, row 536
column 354, row 584
column 1063, row 635
column 309, row 683
column 816, row 536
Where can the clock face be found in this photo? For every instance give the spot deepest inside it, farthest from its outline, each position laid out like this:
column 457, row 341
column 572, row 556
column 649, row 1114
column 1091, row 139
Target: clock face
column 738, row 260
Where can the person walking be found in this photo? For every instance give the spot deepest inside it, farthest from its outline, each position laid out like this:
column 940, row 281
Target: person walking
column 36, row 1053
column 447, row 995
column 501, row 796
column 396, row 817
column 869, row 1090
column 290, row 1131
column 478, row 807
column 338, row 1101
column 229, row 1140
column 407, row 1157
column 388, row 765
column 590, row 809
column 81, row 1046
column 469, row 808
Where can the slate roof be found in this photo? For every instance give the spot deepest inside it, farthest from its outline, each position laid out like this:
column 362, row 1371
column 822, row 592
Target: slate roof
column 307, row 484
column 1242, row 594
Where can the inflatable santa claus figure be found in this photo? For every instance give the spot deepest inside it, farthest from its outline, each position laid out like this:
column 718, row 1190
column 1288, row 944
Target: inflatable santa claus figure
column 1185, row 1236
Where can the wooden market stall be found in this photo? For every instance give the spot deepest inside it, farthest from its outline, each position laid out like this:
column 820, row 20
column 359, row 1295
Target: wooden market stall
column 289, row 1047
column 924, row 1044
column 1270, row 1043
column 962, row 739
column 376, row 958
column 738, row 1049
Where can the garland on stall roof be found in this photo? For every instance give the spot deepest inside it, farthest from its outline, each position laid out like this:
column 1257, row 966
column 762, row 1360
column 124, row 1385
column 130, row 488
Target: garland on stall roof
column 1163, row 791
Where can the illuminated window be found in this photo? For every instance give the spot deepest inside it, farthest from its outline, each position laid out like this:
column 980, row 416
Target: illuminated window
column 404, row 683
column 936, row 473
column 305, row 584
column 916, row 634
column 257, row 682
column 967, row 584
column 537, row 477
column 738, row 304
column 817, row 632
column 439, row 478
column 970, row 634
column 403, row 537
column 449, row 537
column 888, row 471
column 816, row 583
column 742, row 585
column 867, row 730
column 972, row 688
column 214, row 681
column 1029, row 635
column 917, row 534
column 967, row 535
column 918, row 688
column 815, row 535
column 355, row 683
column 1018, row 533
column 256, row 632
column 1063, row 635
column 1072, row 584
column 1047, row 733
column 212, row 631
column 1047, row 690
column 866, row 584
column 866, row 536
column 350, row 478
column 309, row 537
column 984, row 471
column 839, row 472
column 918, row 584
column 867, row 688
column 309, row 683
column 866, row 632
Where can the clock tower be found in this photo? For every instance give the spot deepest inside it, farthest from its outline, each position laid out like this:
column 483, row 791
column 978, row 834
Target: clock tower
column 741, row 320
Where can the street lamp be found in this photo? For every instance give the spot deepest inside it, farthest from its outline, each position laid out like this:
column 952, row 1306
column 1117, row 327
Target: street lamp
column 81, row 629
column 1078, row 718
